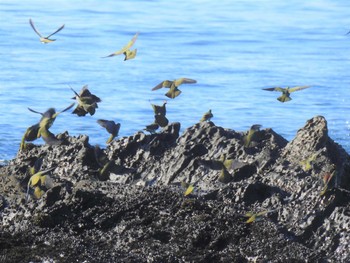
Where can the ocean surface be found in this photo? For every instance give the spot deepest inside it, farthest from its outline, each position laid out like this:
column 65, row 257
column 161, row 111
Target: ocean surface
column 233, row 49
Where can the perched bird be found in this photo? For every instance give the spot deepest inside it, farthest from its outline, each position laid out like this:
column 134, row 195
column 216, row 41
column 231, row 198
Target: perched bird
column 255, row 216
column 40, row 181
column 207, row 116
column 286, row 92
column 159, row 110
column 173, row 86
column 111, row 128
column 129, row 54
column 48, row 118
column 226, row 164
column 161, row 120
column 47, row 39
column 87, row 102
column 247, row 139
column 152, row 128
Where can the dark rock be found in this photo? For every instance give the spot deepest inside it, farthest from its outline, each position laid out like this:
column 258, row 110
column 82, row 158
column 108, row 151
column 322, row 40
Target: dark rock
column 126, row 203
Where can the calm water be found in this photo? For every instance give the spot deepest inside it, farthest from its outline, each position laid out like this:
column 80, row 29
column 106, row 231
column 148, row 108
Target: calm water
column 232, row 48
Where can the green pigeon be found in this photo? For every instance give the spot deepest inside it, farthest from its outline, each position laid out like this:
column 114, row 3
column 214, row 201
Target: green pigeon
column 111, row 128
column 247, row 139
column 207, row 116
column 40, row 181
column 44, row 40
column 152, row 128
column 129, row 54
column 173, row 86
column 87, row 102
column 286, row 92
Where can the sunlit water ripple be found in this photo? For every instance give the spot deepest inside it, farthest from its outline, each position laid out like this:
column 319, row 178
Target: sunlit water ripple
column 233, row 49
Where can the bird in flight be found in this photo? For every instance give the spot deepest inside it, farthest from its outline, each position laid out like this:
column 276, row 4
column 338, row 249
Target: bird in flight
column 47, row 39
column 286, row 92
column 173, row 86
column 87, row 102
column 129, row 54
column 111, row 128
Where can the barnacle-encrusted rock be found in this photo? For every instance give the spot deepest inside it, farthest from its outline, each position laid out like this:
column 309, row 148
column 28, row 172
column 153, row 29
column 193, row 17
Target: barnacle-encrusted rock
column 126, row 203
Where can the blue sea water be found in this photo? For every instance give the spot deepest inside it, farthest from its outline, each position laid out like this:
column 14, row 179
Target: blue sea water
column 232, row 48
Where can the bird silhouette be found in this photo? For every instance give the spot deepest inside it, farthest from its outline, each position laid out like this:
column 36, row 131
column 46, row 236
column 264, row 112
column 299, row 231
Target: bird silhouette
column 173, row 86
column 129, row 54
column 159, row 110
column 111, row 128
column 207, row 116
column 47, row 39
column 152, row 128
column 286, row 92
column 161, row 120
column 87, row 102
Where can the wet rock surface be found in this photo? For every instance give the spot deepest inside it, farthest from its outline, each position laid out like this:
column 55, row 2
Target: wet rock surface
column 126, row 202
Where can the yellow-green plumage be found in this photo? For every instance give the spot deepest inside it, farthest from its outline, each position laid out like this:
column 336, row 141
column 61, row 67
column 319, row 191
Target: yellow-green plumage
column 173, row 86
column 129, row 54
column 207, row 116
column 286, row 92
column 247, row 139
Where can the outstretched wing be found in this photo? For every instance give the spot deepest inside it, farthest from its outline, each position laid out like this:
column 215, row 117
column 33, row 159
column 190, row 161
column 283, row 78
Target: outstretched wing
column 165, row 83
column 32, row 25
column 275, row 89
column 180, row 81
column 42, row 114
column 126, row 47
column 70, row 106
column 56, row 31
column 298, row 88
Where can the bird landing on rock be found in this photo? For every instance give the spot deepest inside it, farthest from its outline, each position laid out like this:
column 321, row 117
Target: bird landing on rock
column 286, row 92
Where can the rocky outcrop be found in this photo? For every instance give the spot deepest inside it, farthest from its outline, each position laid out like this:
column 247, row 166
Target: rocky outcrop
column 126, row 202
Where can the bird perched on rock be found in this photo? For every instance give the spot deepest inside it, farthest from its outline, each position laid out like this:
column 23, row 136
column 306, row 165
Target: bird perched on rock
column 247, row 139
column 111, row 128
column 129, row 54
column 87, row 102
column 207, row 116
column 40, row 181
column 173, row 86
column 286, row 92
column 152, row 128
column 47, row 39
